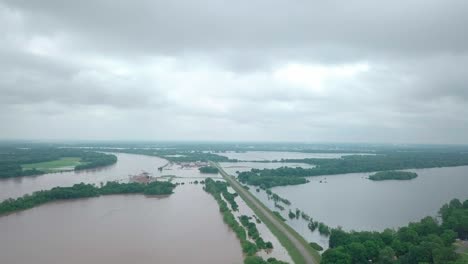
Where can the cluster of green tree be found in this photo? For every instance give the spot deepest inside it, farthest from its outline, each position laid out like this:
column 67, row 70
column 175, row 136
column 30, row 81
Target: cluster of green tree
column 95, row 159
column 381, row 162
column 305, row 216
column 277, row 198
column 12, row 159
column 279, row 206
column 322, row 228
column 212, row 187
column 221, row 187
column 208, row 169
column 291, row 214
column 316, row 246
column 426, row 241
column 268, row 178
column 253, row 233
column 294, row 215
column 259, row 260
column 82, row 191
column 279, row 216
column 173, row 155
column 313, row 224
column 393, row 175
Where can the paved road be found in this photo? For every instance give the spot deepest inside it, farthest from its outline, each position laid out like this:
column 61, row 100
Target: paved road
column 246, row 195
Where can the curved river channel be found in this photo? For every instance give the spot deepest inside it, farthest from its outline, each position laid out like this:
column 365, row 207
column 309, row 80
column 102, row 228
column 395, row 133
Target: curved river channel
column 185, row 227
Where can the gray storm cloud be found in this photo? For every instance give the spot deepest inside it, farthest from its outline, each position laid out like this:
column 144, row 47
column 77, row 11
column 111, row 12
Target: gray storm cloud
column 248, row 70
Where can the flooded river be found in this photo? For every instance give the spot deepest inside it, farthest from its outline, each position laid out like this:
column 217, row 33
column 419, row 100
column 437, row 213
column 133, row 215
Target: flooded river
column 127, row 164
column 185, row 227
column 356, row 203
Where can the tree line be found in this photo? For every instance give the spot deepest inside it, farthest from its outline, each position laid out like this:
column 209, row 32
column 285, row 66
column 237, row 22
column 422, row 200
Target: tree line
column 173, row 155
column 267, row 178
column 11, row 159
column 83, row 190
column 217, row 189
column 426, row 241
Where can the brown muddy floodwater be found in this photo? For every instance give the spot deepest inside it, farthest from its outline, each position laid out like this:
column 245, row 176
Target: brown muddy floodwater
column 185, row 227
column 127, row 164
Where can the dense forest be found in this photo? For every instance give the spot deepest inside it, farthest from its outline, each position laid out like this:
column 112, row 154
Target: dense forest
column 426, row 241
column 268, row 178
column 82, row 191
column 12, row 159
column 393, row 175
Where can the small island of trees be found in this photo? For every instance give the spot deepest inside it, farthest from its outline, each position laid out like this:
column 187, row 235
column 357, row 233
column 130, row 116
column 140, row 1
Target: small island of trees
column 209, row 169
column 393, row 175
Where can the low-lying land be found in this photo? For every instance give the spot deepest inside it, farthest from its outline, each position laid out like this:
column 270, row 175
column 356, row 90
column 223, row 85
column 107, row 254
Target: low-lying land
column 17, row 162
column 389, row 161
column 181, row 155
column 83, row 191
column 427, row 241
column 393, row 175
column 54, row 165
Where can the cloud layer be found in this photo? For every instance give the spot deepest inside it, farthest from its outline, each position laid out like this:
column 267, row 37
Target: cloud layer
column 248, row 70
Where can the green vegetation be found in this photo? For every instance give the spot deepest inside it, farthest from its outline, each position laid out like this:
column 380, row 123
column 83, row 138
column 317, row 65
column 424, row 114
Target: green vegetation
column 16, row 162
column 295, row 254
column 268, row 178
column 173, row 155
column 209, row 169
column 316, row 246
column 92, row 160
column 215, row 188
column 254, row 234
column 279, row 206
column 305, row 216
column 82, row 191
column 393, row 175
column 221, row 187
column 279, row 216
column 291, row 214
column 426, row 241
column 324, row 229
column 277, row 198
column 259, row 260
column 382, row 162
column 55, row 165
column 313, row 224
column 386, row 161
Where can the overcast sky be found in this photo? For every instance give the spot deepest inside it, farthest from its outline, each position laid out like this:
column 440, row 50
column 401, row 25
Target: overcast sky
column 315, row 71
